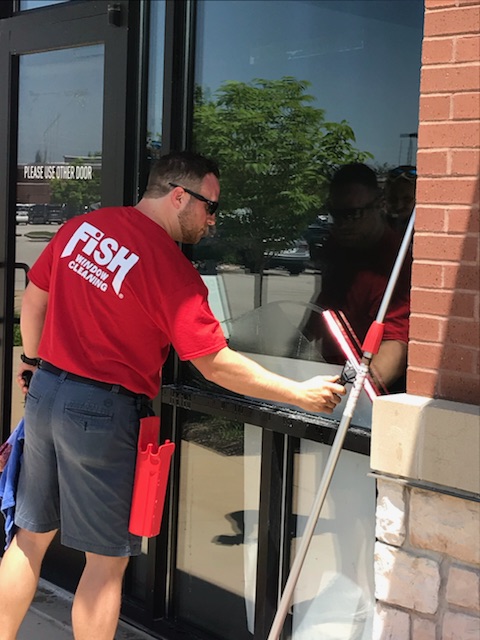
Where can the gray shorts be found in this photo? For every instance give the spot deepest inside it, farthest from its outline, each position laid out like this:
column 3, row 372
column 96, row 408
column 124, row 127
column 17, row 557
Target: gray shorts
column 78, row 465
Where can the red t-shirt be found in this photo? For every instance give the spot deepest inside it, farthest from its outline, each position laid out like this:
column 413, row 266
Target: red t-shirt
column 120, row 292
column 354, row 282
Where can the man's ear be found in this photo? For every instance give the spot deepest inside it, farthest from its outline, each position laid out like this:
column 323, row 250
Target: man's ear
column 176, row 197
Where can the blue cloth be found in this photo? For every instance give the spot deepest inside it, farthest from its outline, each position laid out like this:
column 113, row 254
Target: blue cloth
column 9, row 480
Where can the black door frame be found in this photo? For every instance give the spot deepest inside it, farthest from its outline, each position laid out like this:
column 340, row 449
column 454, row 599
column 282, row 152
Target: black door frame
column 58, row 27
column 89, row 22
column 62, row 26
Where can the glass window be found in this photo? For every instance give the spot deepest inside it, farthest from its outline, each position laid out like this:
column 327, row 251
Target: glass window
column 35, row 4
column 311, row 109
column 334, row 595
column 155, row 79
column 218, row 525
column 286, row 94
column 60, row 128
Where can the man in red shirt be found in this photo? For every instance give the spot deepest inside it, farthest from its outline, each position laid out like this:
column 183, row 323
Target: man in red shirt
column 357, row 263
column 400, row 188
column 106, row 299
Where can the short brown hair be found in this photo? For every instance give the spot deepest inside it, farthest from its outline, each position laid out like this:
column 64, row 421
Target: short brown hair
column 354, row 173
column 182, row 167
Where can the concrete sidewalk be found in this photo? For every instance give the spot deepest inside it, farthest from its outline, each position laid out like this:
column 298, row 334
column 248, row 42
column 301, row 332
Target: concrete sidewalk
column 49, row 618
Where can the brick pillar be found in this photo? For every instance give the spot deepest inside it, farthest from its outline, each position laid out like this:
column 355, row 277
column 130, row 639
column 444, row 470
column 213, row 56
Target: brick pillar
column 444, row 349
column 425, row 443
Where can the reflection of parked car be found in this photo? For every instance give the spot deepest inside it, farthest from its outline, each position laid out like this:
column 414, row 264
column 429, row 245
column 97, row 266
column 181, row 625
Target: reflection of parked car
column 316, row 235
column 55, row 213
column 72, row 211
column 47, row 214
column 21, row 215
column 37, row 214
column 294, row 259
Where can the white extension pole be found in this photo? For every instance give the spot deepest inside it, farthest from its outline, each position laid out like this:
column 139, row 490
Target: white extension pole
column 337, row 445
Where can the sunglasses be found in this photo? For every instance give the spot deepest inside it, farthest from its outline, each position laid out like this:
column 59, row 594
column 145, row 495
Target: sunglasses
column 405, row 171
column 353, row 213
column 212, row 206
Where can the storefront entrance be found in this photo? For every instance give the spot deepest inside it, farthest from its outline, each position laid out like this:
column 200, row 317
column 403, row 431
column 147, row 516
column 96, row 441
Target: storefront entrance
column 92, row 91
column 63, row 131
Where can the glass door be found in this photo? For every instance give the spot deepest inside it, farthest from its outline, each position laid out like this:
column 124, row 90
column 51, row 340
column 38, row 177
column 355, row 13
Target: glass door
column 62, row 138
column 59, row 159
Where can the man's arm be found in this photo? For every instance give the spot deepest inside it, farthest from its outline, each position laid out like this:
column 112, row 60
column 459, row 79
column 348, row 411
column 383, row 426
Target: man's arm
column 390, row 362
column 32, row 318
column 238, row 373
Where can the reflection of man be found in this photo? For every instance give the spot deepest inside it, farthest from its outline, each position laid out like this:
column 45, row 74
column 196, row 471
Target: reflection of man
column 400, row 195
column 106, row 298
column 359, row 257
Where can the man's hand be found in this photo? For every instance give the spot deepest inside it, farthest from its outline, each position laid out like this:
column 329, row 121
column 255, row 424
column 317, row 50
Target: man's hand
column 320, row 394
column 24, row 375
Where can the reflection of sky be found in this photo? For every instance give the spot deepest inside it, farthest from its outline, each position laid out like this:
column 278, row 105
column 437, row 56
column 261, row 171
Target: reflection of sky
column 155, row 69
column 36, row 4
column 60, row 103
column 362, row 57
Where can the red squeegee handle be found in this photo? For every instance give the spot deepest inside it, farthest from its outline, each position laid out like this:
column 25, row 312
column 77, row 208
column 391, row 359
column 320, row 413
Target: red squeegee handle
column 373, row 339
column 374, row 336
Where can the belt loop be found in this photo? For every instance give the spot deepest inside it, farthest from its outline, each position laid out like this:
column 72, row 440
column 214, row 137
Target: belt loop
column 115, row 388
column 63, row 375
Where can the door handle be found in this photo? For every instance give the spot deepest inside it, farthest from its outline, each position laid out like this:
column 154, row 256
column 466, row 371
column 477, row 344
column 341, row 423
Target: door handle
column 114, row 15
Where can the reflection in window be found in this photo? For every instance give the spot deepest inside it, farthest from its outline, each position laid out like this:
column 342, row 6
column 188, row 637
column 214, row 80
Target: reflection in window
column 60, row 124
column 312, row 86
column 155, row 79
column 272, row 186
column 59, row 162
column 272, row 335
column 35, row 4
column 334, row 595
column 217, row 525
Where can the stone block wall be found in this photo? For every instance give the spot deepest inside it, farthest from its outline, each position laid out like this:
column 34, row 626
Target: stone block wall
column 427, row 564
column 426, row 456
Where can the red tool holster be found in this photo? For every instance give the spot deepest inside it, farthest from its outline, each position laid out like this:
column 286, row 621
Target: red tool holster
column 151, row 477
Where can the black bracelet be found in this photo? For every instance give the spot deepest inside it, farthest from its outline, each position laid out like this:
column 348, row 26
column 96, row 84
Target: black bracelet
column 33, row 362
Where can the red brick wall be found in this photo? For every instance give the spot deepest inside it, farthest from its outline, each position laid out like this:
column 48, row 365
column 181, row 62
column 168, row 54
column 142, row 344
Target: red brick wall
column 444, row 350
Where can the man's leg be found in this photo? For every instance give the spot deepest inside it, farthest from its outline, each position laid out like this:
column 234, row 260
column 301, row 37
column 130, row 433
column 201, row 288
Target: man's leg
column 19, row 573
column 96, row 606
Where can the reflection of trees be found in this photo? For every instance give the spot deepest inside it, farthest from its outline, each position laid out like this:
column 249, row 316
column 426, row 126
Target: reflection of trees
column 276, row 153
column 222, row 435
column 76, row 194
column 154, row 145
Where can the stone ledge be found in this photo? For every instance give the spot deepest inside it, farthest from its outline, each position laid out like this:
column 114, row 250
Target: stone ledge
column 433, row 441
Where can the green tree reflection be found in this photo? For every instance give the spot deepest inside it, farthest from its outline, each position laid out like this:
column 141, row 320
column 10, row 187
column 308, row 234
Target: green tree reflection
column 77, row 194
column 276, row 154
